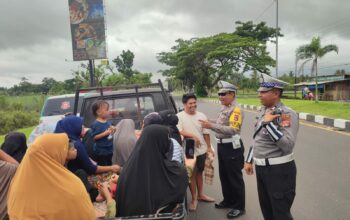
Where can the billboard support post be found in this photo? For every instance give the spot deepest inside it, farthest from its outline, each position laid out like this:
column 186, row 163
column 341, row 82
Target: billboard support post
column 92, row 72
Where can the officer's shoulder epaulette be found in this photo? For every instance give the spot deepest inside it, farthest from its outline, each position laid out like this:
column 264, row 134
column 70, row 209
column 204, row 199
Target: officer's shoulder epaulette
column 237, row 109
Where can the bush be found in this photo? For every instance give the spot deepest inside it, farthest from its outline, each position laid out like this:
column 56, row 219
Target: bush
column 13, row 120
column 22, row 103
column 4, row 104
column 17, row 106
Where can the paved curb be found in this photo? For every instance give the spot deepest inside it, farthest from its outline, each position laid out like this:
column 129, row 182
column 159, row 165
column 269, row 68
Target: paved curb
column 341, row 124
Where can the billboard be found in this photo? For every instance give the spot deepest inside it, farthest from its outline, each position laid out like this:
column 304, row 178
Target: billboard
column 87, row 29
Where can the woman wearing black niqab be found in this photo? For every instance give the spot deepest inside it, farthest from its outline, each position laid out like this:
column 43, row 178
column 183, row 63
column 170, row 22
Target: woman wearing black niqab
column 149, row 180
column 15, row 145
column 170, row 119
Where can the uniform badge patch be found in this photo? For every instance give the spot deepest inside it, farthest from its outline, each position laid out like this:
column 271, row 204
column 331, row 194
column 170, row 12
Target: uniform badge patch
column 286, row 120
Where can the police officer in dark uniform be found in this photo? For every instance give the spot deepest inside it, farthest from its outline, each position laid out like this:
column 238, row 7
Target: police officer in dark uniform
column 227, row 129
column 272, row 151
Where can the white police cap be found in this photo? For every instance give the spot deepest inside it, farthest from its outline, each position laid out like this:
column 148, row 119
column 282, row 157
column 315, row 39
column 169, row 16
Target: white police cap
column 226, row 87
column 268, row 82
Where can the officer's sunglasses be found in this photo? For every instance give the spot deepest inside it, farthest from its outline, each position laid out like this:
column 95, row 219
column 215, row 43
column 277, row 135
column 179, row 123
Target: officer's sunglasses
column 222, row 93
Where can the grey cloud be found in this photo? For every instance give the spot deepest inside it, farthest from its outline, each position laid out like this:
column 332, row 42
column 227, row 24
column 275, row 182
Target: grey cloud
column 36, row 62
column 35, row 35
column 26, row 23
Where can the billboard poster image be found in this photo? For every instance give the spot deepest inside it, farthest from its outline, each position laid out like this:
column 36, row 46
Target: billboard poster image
column 87, row 29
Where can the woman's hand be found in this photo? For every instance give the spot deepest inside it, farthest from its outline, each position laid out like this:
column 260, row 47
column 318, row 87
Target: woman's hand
column 115, row 168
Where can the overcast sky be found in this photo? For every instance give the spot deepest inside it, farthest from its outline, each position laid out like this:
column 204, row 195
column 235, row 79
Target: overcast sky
column 35, row 39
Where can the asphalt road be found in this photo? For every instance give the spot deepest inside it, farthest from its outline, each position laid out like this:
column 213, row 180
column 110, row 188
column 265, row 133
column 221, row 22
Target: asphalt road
column 323, row 176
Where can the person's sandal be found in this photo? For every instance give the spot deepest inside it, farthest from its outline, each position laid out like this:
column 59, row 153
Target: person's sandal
column 193, row 207
column 206, row 199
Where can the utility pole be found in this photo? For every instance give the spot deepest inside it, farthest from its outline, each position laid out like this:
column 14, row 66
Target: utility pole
column 295, row 77
column 276, row 38
column 92, row 70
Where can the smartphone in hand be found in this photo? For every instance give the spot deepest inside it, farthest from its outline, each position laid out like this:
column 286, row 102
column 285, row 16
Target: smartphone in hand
column 189, row 148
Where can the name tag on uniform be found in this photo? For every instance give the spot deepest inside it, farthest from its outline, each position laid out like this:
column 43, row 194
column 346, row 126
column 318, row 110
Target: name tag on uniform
column 286, row 120
column 236, row 143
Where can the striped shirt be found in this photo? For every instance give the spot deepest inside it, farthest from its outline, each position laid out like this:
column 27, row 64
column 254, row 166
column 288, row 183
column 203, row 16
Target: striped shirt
column 177, row 152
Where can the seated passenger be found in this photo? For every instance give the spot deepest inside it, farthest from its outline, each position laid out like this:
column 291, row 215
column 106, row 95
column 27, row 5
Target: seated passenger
column 124, row 141
column 8, row 167
column 43, row 188
column 105, row 192
column 169, row 119
column 112, row 188
column 73, row 127
column 47, row 126
column 82, row 165
column 151, row 119
column 15, row 145
column 150, row 180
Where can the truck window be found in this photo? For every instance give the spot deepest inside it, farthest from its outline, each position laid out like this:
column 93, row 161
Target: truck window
column 121, row 108
column 128, row 106
column 59, row 106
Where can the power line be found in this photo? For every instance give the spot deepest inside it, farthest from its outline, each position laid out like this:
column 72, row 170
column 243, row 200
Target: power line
column 267, row 8
column 339, row 25
column 343, row 34
column 331, row 62
column 326, row 63
column 327, row 26
column 326, row 67
column 321, row 67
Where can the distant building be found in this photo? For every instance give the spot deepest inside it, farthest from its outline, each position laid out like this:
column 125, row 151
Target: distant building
column 331, row 87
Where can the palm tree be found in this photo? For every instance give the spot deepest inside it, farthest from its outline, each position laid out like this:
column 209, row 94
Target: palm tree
column 315, row 51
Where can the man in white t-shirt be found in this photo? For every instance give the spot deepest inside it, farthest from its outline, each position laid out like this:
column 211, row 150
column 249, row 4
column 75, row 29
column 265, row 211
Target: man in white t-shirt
column 190, row 127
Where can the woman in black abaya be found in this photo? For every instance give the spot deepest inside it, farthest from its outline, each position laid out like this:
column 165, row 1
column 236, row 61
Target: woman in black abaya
column 15, row 145
column 170, row 119
column 149, row 179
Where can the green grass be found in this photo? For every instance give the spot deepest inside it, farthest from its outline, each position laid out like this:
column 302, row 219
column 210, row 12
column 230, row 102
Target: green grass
column 29, row 102
column 26, row 131
column 26, row 99
column 253, row 94
column 325, row 108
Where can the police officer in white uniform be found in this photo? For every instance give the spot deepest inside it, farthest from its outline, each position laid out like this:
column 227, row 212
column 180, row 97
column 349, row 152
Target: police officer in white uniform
column 272, row 151
column 227, row 128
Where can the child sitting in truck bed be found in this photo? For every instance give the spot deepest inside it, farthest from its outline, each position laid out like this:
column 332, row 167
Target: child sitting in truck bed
column 107, row 209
